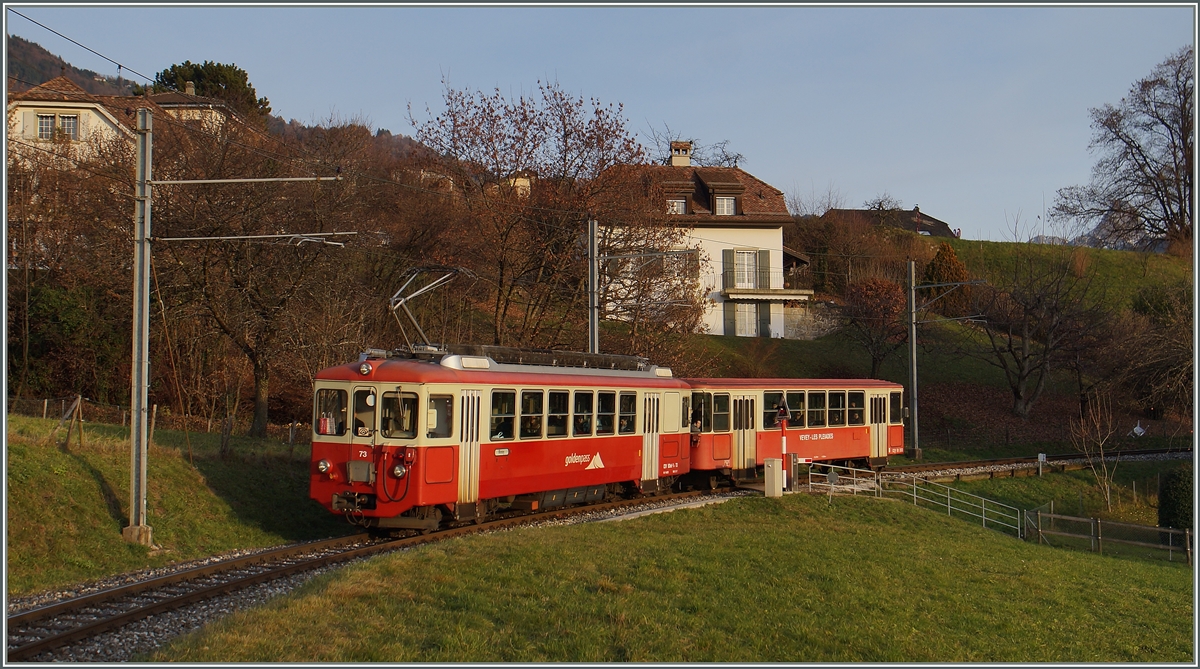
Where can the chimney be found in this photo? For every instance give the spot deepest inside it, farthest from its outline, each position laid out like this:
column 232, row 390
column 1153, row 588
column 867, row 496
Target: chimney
column 189, row 88
column 681, row 154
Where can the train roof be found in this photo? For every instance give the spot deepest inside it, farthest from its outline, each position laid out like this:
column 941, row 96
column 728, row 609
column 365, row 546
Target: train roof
column 784, row 383
column 484, row 370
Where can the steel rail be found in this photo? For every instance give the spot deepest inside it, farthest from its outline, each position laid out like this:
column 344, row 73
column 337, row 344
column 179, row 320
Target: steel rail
column 33, row 648
column 1023, row 460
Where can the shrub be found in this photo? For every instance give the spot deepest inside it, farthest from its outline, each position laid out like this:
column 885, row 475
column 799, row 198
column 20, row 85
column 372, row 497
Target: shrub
column 1175, row 499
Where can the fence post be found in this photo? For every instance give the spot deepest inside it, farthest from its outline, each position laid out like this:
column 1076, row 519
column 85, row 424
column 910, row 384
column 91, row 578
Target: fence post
column 79, row 412
column 153, row 417
column 947, row 500
column 1099, row 538
column 45, row 406
column 1187, row 543
column 914, row 490
column 1039, row 525
column 984, row 512
column 1093, row 537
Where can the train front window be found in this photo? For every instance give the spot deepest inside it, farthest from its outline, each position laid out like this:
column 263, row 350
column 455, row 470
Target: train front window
column 440, row 419
column 837, row 408
column 364, row 412
column 795, row 402
column 583, row 413
column 720, row 412
column 896, row 413
column 398, row 416
column 504, row 409
column 772, row 402
column 558, row 413
column 606, row 413
column 628, row 413
column 331, row 412
column 816, row 409
column 855, row 412
column 531, row 414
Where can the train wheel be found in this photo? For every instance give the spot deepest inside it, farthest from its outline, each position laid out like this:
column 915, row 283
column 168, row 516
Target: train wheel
column 712, row 482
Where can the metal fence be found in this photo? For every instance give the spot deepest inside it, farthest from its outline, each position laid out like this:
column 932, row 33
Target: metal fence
column 1109, row 537
column 956, row 503
column 112, row 414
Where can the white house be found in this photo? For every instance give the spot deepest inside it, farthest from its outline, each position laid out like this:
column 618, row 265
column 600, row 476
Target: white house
column 737, row 222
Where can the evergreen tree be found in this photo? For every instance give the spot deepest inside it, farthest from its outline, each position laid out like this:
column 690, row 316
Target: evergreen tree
column 226, row 82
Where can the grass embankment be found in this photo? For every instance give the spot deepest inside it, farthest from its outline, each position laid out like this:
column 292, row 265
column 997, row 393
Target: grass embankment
column 797, row 579
column 66, row 507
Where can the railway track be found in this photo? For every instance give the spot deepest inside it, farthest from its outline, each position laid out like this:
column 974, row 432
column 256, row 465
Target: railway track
column 46, row 628
column 1050, row 458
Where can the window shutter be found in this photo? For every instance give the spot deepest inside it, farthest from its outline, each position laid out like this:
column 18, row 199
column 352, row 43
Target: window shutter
column 730, row 318
column 29, row 131
column 727, row 266
column 764, row 318
column 764, row 269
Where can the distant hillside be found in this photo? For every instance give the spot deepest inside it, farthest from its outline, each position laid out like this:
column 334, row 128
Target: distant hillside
column 29, row 65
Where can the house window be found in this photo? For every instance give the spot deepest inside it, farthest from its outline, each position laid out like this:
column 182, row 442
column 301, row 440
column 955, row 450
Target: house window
column 745, row 266
column 69, row 126
column 45, row 126
column 747, row 319
column 676, row 206
column 726, row 206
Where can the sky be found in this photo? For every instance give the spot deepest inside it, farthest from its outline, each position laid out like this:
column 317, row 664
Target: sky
column 978, row 114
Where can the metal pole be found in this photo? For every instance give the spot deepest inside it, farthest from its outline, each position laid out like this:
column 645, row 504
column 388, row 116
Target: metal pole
column 138, row 531
column 593, row 290
column 912, row 357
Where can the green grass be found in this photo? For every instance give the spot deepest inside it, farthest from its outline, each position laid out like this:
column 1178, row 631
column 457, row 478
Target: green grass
column 797, row 579
column 1075, row 492
column 66, row 508
column 1119, row 274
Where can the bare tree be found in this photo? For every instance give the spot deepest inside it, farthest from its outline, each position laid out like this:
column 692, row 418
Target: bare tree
column 875, row 313
column 814, row 204
column 1092, row 435
column 1141, row 187
column 1036, row 318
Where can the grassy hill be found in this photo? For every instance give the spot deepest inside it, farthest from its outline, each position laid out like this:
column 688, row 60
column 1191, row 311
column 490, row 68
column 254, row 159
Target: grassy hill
column 797, row 579
column 66, row 507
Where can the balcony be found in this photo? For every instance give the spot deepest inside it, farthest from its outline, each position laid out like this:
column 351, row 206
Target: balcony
column 759, row 284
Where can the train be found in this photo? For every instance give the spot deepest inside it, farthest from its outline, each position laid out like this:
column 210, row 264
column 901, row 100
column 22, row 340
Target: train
column 407, row 440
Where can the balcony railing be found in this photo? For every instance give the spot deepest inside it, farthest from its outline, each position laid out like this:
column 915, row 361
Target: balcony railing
column 763, row 280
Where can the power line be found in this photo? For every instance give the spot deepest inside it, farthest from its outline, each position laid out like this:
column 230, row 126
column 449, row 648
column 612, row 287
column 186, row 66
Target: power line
column 119, row 66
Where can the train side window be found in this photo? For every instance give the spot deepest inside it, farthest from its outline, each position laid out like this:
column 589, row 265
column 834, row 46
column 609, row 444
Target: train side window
column 364, row 412
column 855, row 414
column 440, row 417
column 816, row 409
column 628, row 413
column 685, row 411
column 583, row 413
column 558, row 413
column 531, row 414
column 702, row 411
column 770, row 408
column 720, row 412
column 606, row 413
column 398, row 416
column 837, row 408
column 896, row 415
column 504, row 408
column 331, row 412
column 795, row 402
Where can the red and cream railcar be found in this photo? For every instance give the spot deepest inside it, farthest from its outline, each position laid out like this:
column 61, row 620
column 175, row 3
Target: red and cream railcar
column 737, row 423
column 405, row 443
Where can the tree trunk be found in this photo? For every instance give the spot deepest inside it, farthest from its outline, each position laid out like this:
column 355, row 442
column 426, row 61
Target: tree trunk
column 258, row 428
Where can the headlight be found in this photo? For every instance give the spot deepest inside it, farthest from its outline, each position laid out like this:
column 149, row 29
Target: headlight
column 364, row 368
column 323, row 466
column 399, row 470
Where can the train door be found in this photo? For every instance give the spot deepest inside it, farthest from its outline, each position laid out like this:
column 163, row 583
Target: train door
column 745, row 436
column 468, row 448
column 360, row 467
column 650, row 426
column 879, row 436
